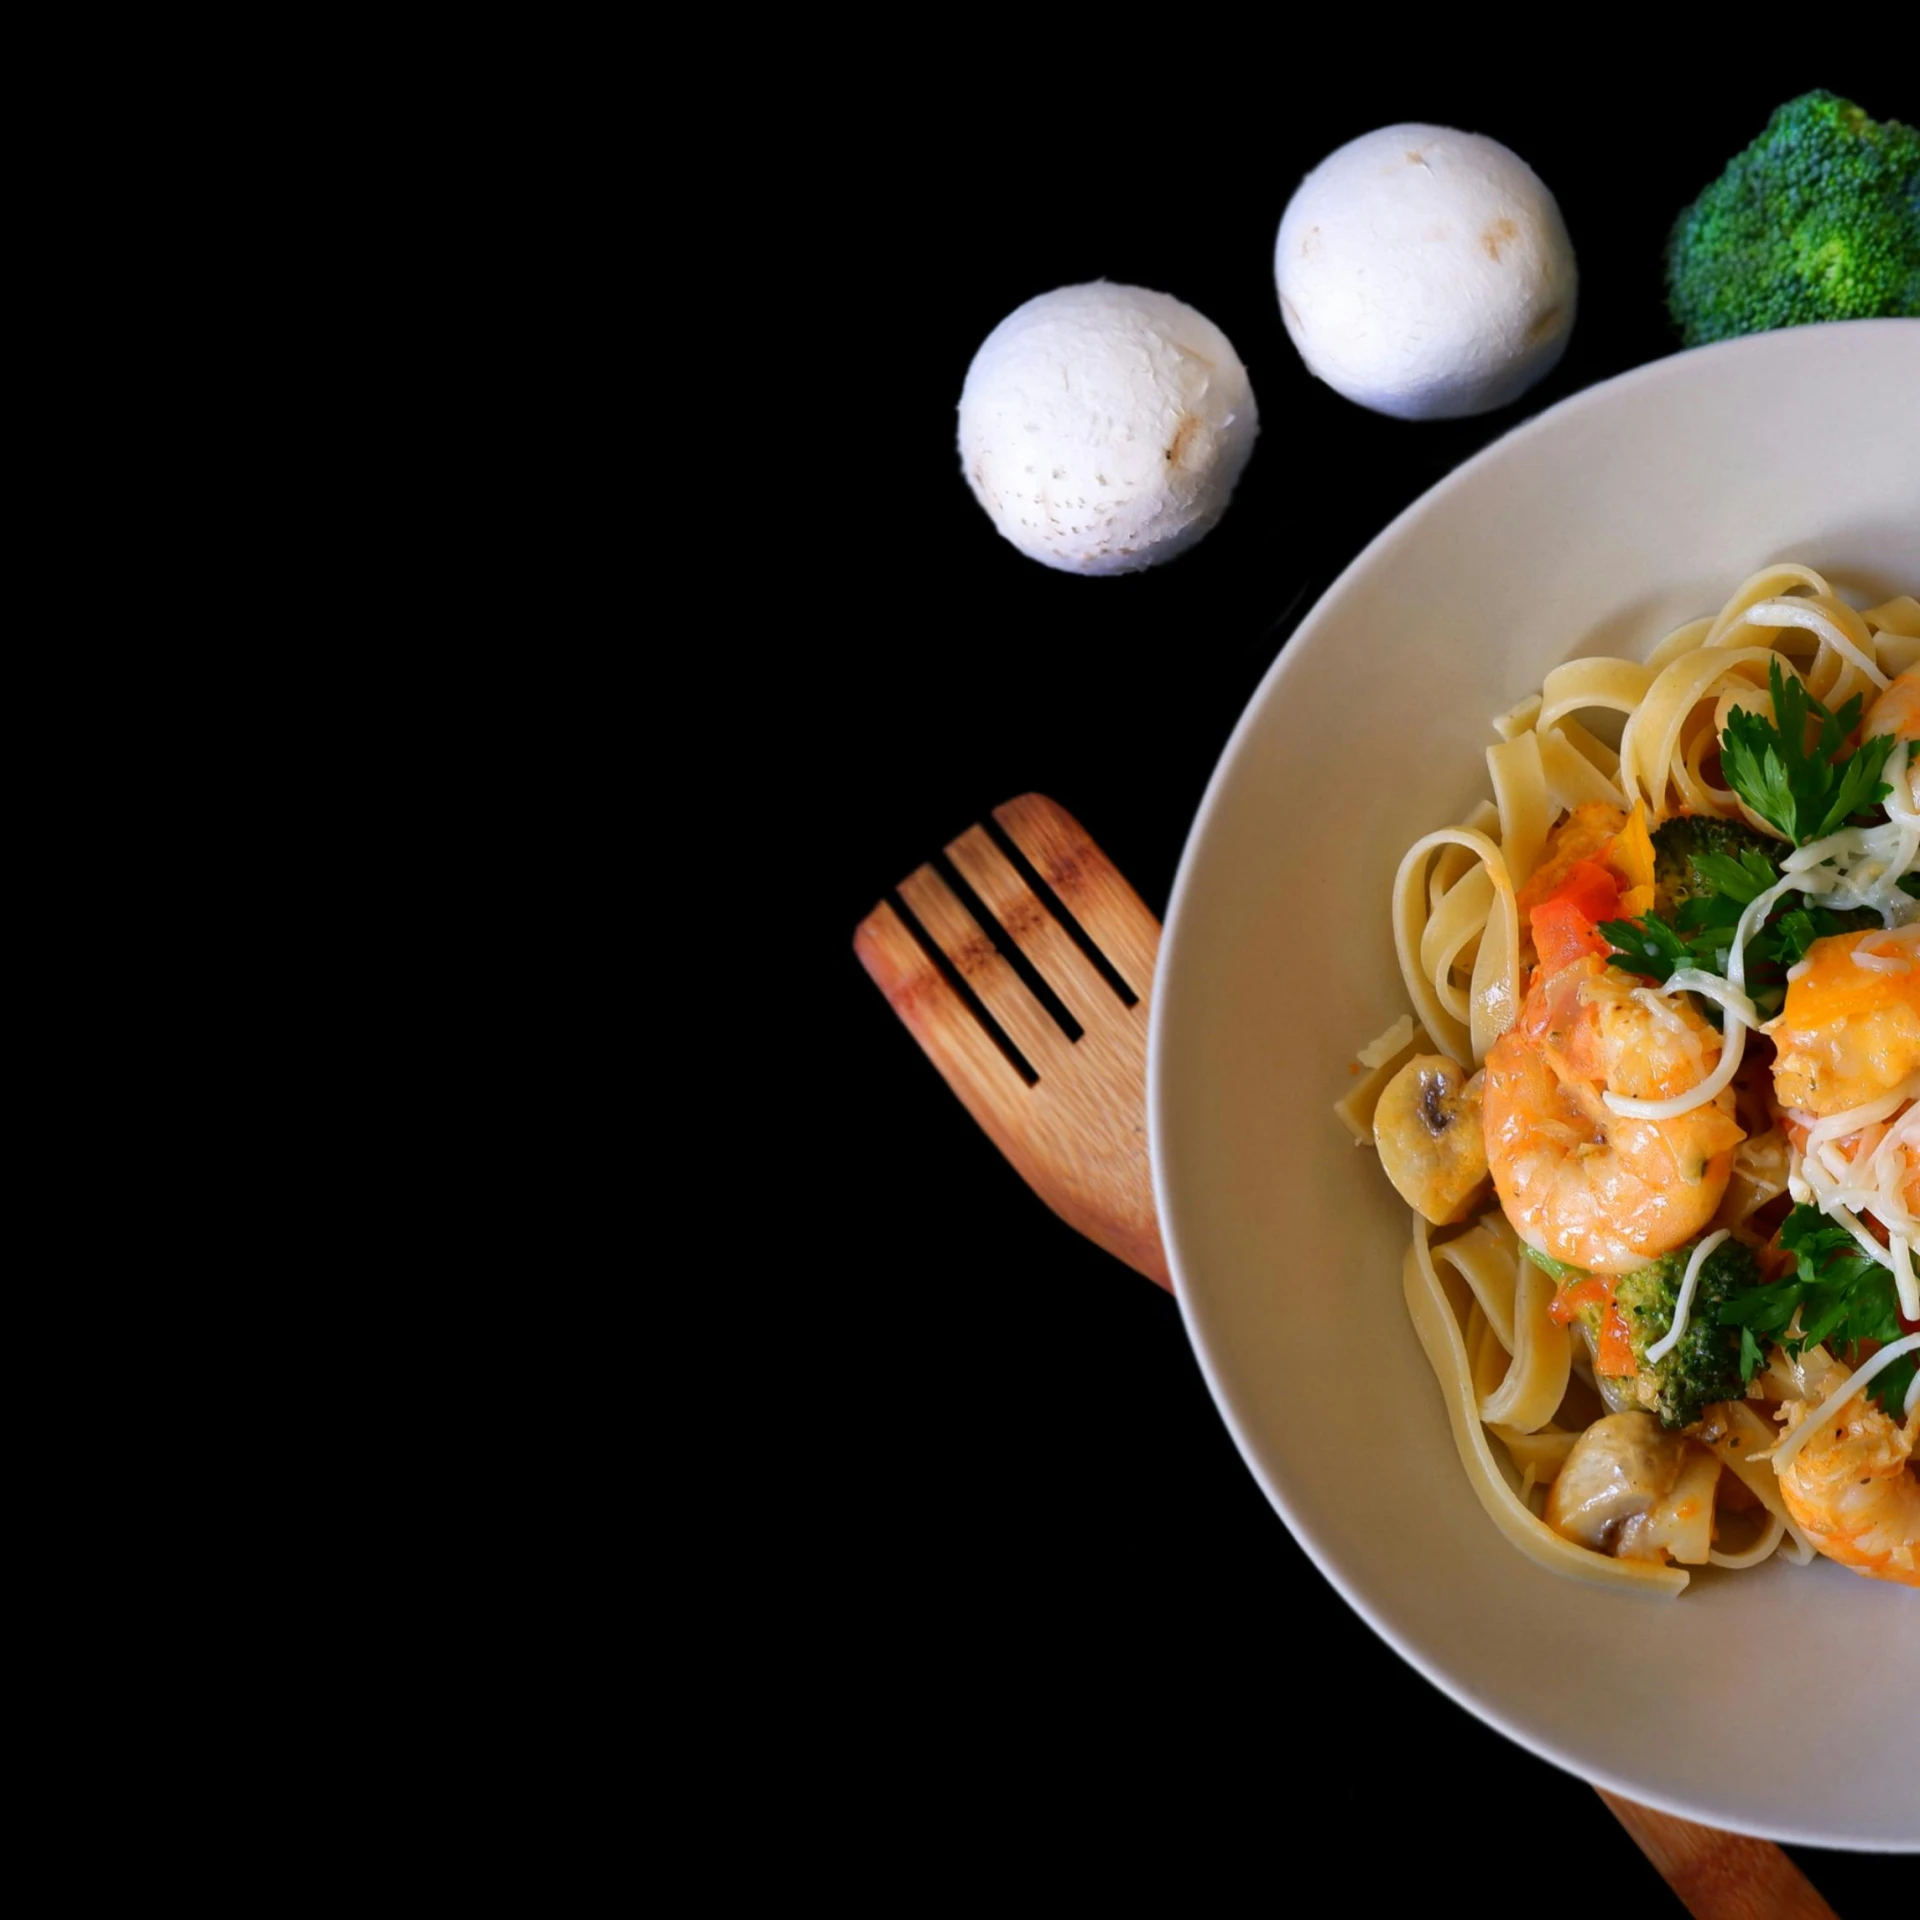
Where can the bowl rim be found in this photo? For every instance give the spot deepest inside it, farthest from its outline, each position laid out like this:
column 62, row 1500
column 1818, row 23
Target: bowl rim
column 1678, row 365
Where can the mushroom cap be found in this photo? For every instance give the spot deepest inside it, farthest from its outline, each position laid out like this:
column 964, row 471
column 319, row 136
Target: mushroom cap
column 1426, row 273
column 1619, row 1467
column 1103, row 426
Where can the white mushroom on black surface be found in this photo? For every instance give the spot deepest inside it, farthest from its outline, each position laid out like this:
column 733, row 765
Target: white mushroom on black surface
column 1426, row 273
column 1102, row 427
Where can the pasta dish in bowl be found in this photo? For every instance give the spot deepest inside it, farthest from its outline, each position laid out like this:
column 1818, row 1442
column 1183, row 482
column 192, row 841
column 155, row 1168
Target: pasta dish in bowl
column 1661, row 1285
column 1668, row 1018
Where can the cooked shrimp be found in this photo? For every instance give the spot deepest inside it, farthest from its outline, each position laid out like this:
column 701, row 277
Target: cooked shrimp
column 1897, row 710
column 1854, row 1489
column 1850, row 1029
column 1578, row 1181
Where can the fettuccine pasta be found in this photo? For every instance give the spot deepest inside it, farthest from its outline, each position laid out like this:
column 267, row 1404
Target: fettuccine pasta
column 1655, row 1105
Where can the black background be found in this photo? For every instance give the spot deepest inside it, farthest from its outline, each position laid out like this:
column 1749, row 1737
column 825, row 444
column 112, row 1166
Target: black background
column 1065, row 1622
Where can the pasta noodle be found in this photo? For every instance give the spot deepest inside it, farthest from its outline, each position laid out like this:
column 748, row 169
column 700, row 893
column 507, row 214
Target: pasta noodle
column 1666, row 1139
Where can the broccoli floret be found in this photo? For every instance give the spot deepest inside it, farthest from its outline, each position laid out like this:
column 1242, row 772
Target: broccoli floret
column 1676, row 841
column 1705, row 1366
column 1818, row 220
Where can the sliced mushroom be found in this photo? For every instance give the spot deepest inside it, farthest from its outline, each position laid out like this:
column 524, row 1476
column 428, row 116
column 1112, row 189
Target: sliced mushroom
column 1427, row 1127
column 1620, row 1468
column 1679, row 1525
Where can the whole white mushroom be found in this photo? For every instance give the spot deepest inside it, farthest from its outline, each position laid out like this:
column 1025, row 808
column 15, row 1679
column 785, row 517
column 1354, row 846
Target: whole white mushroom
column 1426, row 273
column 1103, row 427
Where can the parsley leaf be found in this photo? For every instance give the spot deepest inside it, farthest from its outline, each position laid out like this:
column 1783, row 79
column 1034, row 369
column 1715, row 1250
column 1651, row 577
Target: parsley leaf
column 1700, row 932
column 1651, row 947
column 1741, row 881
column 1700, row 935
column 1807, row 793
column 1785, row 941
column 1840, row 1296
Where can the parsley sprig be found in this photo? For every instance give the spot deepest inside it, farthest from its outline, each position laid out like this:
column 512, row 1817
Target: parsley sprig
column 1840, row 1296
column 1657, row 948
column 1700, row 934
column 1805, row 792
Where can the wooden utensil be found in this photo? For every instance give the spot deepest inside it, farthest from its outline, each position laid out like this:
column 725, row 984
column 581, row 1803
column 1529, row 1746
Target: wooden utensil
column 1077, row 1133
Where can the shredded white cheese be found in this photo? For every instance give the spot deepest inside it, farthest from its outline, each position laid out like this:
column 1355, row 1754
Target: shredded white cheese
column 1739, row 1015
column 1857, row 867
column 1733, row 1048
column 1684, row 1305
column 1855, row 1383
column 1837, row 1126
column 1861, row 867
column 1867, row 955
column 1710, row 986
column 1873, row 1179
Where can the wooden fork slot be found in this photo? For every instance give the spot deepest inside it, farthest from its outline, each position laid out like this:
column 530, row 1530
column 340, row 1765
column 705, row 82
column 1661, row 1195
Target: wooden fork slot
column 1007, row 941
column 939, row 1009
column 978, row 962
column 1075, row 932
column 1122, row 936
column 1050, row 949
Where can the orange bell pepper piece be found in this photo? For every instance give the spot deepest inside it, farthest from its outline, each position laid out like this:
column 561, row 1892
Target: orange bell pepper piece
column 1566, row 926
column 1615, row 1346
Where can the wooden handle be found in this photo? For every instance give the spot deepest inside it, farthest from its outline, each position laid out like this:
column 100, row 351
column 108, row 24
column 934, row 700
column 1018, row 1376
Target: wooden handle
column 1720, row 1876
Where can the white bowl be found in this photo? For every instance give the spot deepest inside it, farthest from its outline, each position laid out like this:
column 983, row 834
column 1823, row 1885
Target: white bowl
column 1782, row 1702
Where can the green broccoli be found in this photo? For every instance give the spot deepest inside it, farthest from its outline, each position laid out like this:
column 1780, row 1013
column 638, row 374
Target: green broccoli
column 1677, row 841
column 1818, row 220
column 1705, row 1365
